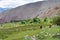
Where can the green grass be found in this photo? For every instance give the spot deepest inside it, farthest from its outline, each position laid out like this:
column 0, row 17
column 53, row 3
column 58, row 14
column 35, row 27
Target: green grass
column 19, row 34
column 18, row 30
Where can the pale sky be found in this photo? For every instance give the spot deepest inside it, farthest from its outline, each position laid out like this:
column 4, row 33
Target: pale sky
column 15, row 3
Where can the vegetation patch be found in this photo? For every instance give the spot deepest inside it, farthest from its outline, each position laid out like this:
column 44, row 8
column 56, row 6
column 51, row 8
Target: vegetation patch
column 31, row 29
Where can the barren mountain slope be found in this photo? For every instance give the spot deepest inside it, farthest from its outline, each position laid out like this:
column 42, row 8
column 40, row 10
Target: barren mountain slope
column 42, row 9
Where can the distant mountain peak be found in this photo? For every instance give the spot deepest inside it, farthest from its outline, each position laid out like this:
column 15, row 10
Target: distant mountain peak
column 3, row 9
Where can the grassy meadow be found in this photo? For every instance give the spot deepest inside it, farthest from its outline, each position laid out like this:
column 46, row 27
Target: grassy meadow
column 31, row 29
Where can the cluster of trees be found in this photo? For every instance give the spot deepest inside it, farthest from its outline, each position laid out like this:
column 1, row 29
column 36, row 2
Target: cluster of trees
column 55, row 20
column 34, row 20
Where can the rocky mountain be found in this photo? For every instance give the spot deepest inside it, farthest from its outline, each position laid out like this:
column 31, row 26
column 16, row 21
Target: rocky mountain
column 42, row 9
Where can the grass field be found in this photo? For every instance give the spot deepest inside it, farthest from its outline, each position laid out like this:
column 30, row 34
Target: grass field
column 33, row 29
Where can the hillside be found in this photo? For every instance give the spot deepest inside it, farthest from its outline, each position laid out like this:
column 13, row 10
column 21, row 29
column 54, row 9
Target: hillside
column 32, row 29
column 40, row 9
column 42, row 22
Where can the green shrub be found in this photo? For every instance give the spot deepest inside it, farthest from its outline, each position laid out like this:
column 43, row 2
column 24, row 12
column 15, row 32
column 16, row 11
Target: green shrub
column 56, row 20
column 35, row 20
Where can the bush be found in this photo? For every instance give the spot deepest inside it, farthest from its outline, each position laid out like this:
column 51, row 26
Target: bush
column 23, row 22
column 56, row 20
column 35, row 20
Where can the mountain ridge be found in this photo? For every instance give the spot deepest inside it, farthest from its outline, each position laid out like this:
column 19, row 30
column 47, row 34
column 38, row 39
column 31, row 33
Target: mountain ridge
column 41, row 8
